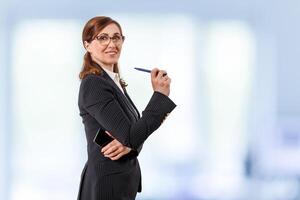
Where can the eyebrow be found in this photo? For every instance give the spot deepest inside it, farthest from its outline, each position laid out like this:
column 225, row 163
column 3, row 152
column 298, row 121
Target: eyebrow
column 108, row 34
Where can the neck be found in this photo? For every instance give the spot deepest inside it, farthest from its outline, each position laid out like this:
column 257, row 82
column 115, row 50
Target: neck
column 109, row 67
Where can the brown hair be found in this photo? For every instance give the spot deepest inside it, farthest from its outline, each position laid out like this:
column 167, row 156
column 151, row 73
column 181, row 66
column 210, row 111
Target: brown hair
column 90, row 31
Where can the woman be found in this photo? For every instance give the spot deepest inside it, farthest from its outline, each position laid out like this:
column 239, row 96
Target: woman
column 112, row 172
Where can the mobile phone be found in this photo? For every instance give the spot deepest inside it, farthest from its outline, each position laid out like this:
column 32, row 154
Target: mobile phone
column 101, row 138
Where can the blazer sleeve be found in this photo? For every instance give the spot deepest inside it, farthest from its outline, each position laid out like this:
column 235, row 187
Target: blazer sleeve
column 99, row 101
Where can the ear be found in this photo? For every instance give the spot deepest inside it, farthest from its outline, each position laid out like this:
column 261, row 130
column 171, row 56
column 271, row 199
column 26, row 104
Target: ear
column 87, row 45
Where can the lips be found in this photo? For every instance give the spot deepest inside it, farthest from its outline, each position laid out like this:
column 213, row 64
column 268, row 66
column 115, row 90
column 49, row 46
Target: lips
column 111, row 52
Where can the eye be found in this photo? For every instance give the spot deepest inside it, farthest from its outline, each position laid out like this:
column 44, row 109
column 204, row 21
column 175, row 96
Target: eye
column 116, row 37
column 102, row 38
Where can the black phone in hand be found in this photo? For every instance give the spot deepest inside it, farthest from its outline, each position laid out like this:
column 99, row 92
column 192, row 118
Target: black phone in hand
column 102, row 138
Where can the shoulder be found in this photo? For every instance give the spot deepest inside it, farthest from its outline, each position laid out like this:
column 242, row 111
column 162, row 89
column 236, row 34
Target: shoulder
column 94, row 88
column 92, row 78
column 95, row 85
column 93, row 82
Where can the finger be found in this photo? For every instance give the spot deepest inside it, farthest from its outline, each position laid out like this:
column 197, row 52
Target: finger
column 116, row 146
column 113, row 150
column 114, row 153
column 161, row 74
column 167, row 82
column 110, row 150
column 117, row 157
column 109, row 145
column 154, row 73
column 119, row 149
column 125, row 151
column 166, row 77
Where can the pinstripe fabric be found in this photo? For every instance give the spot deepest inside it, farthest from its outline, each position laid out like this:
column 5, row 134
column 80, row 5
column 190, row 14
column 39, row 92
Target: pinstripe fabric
column 102, row 104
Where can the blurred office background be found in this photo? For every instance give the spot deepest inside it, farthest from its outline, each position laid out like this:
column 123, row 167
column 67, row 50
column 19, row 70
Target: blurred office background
column 234, row 135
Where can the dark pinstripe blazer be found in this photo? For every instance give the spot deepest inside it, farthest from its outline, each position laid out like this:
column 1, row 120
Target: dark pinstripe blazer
column 103, row 105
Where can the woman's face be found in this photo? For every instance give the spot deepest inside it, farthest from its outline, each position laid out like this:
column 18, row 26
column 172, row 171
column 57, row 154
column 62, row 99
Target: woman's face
column 106, row 47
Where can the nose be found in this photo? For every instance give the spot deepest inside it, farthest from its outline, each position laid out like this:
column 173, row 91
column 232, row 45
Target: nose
column 111, row 43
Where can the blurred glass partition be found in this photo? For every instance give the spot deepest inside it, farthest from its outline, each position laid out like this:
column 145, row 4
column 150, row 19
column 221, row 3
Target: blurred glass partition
column 47, row 133
column 228, row 67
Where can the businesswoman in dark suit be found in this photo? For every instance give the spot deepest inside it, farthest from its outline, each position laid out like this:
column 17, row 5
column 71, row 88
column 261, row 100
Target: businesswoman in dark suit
column 112, row 172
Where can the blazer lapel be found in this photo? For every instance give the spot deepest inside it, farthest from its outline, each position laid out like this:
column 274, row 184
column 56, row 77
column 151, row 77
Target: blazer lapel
column 136, row 110
column 123, row 96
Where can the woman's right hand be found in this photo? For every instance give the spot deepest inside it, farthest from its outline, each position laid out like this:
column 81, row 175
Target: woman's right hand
column 160, row 82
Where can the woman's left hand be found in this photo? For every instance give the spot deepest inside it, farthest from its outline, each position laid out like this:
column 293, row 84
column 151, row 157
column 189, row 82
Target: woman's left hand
column 115, row 149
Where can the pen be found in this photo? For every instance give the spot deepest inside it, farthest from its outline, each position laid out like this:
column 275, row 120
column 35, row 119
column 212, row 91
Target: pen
column 146, row 70
column 143, row 70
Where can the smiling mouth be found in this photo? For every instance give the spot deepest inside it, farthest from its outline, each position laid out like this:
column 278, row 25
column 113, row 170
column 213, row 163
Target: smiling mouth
column 111, row 52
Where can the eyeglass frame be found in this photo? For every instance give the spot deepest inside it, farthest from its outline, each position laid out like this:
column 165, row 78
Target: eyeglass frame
column 110, row 39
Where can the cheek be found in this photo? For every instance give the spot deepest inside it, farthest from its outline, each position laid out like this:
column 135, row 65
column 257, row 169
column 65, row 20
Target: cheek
column 119, row 48
column 97, row 51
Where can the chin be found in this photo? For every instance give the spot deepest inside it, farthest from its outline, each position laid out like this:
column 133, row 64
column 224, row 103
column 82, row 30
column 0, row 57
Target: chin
column 112, row 62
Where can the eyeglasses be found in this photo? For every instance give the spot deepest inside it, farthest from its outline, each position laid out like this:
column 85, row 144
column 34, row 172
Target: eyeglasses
column 105, row 39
